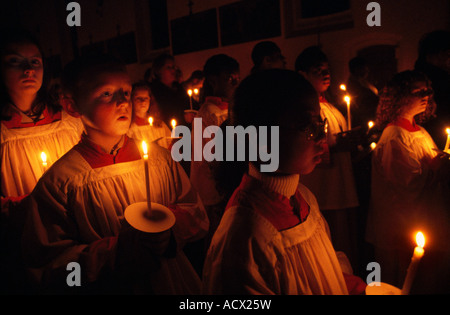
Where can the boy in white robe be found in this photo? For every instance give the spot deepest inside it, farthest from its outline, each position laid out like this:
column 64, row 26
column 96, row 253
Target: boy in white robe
column 76, row 211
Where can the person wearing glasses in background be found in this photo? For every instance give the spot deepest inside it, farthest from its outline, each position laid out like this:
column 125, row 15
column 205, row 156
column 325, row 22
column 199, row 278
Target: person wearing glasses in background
column 410, row 188
column 332, row 181
column 272, row 238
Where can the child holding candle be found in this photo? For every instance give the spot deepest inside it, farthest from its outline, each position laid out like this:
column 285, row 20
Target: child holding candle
column 30, row 123
column 221, row 78
column 76, row 211
column 144, row 107
column 410, row 187
column 332, row 182
column 272, row 238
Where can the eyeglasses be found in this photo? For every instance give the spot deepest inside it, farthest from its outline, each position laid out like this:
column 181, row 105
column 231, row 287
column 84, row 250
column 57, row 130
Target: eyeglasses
column 315, row 131
column 422, row 93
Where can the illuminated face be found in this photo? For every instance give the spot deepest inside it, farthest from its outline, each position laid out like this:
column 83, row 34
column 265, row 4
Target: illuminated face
column 141, row 102
column 105, row 104
column 302, row 149
column 418, row 99
column 319, row 77
column 22, row 69
column 168, row 73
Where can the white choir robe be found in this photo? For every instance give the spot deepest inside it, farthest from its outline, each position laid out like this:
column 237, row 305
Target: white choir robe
column 159, row 134
column 404, row 198
column 21, row 163
column 248, row 255
column 74, row 209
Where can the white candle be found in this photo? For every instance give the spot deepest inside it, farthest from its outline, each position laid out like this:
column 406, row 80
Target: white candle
column 190, row 97
column 147, row 177
column 447, row 144
column 173, row 123
column 44, row 160
column 415, row 259
column 150, row 121
column 349, row 118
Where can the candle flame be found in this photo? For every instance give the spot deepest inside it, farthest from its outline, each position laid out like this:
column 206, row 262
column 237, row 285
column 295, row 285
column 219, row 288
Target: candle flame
column 373, row 145
column 173, row 122
column 420, row 239
column 144, row 147
column 347, row 99
column 195, row 91
column 447, row 131
column 343, row 87
column 370, row 124
column 189, row 92
column 44, row 157
column 150, row 121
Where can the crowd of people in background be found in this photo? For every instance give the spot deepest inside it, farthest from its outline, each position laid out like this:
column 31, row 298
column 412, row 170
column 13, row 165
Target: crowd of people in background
column 336, row 202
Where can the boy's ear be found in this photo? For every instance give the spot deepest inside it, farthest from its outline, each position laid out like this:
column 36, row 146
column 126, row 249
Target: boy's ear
column 68, row 104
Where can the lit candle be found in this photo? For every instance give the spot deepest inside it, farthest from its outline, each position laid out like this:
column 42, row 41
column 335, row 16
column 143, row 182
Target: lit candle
column 349, row 118
column 44, row 160
column 447, row 144
column 150, row 120
column 415, row 259
column 173, row 123
column 373, row 145
column 343, row 87
column 196, row 91
column 147, row 177
column 190, row 97
column 370, row 124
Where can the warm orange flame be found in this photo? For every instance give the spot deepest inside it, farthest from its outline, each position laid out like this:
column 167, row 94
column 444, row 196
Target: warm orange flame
column 447, row 131
column 420, row 239
column 189, row 92
column 370, row 124
column 373, row 145
column 150, row 121
column 343, row 87
column 173, row 122
column 195, row 91
column 347, row 99
column 44, row 157
column 144, row 147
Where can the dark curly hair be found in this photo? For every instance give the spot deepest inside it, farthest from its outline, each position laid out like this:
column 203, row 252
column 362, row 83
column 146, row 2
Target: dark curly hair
column 397, row 94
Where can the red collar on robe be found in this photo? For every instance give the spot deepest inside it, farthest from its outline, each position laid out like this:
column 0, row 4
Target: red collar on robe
column 140, row 121
column 275, row 207
column 217, row 101
column 96, row 157
column 322, row 99
column 405, row 124
column 16, row 119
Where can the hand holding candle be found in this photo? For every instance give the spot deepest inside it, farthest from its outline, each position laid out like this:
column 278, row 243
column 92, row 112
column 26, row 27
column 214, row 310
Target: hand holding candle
column 412, row 269
column 147, row 178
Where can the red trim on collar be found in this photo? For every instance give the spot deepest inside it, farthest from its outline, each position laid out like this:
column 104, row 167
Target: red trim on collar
column 276, row 208
column 217, row 101
column 405, row 124
column 16, row 119
column 141, row 121
column 96, row 157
